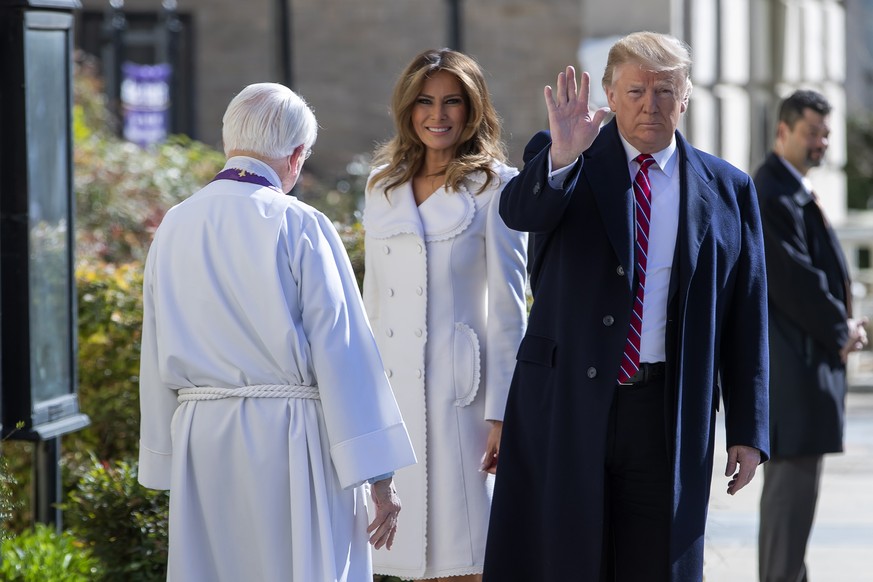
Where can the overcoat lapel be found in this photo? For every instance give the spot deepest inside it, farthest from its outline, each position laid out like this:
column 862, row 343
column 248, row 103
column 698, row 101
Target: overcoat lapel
column 695, row 215
column 608, row 177
column 803, row 198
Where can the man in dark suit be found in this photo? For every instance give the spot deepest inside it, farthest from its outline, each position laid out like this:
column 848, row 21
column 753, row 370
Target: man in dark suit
column 607, row 449
column 812, row 332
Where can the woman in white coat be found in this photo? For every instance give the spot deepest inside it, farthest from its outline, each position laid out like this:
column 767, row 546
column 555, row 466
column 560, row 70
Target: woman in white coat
column 444, row 290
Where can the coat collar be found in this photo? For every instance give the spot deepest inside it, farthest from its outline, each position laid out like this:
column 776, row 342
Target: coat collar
column 605, row 168
column 442, row 216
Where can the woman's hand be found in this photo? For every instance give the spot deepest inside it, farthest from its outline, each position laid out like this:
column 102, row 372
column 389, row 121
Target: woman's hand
column 492, row 447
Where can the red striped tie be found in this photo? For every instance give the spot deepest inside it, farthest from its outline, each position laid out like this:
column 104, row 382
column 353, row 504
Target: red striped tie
column 630, row 362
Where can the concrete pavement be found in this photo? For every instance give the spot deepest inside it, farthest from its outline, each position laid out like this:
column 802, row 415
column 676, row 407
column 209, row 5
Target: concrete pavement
column 841, row 545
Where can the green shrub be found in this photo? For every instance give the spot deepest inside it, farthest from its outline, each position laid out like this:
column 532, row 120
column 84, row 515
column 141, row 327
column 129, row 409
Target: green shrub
column 859, row 162
column 123, row 523
column 352, row 236
column 110, row 322
column 123, row 191
column 7, row 498
column 42, row 554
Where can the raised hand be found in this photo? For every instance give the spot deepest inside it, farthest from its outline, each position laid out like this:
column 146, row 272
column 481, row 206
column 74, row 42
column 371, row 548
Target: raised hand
column 572, row 125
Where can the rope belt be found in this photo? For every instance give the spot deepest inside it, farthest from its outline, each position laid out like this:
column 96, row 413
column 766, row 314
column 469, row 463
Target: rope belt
column 255, row 391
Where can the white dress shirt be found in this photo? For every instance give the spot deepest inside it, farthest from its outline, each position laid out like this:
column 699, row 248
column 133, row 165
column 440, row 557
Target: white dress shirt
column 663, row 228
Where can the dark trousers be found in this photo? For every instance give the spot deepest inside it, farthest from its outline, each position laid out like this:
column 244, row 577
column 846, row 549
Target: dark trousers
column 638, row 487
column 788, row 501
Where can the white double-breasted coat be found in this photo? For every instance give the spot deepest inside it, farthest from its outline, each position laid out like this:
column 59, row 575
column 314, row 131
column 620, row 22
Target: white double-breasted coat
column 444, row 289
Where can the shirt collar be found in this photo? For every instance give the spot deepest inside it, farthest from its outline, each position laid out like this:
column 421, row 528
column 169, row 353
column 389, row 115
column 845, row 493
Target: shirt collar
column 804, row 181
column 666, row 158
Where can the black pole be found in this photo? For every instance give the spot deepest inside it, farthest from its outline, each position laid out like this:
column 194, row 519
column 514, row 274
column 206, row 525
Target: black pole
column 171, row 29
column 114, row 26
column 455, row 25
column 47, row 482
column 283, row 9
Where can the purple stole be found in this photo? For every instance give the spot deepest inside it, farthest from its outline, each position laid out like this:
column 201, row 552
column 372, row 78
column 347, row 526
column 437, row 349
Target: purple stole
column 238, row 175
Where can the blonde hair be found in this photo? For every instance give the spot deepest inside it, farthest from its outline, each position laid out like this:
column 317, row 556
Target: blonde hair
column 268, row 119
column 655, row 52
column 479, row 144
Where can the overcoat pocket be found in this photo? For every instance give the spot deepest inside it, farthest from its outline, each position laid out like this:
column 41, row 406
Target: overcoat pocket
column 537, row 350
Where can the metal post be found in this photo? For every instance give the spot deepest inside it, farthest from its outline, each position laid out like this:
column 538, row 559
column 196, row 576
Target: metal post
column 114, row 26
column 47, row 482
column 171, row 30
column 455, row 25
column 286, row 60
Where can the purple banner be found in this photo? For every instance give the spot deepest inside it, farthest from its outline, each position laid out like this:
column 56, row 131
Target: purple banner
column 145, row 98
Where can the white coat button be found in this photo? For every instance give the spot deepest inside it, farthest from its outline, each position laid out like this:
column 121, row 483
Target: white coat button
column 620, row 271
column 418, row 333
column 418, row 373
column 390, row 292
column 389, row 332
column 419, row 290
column 389, row 373
column 386, row 249
column 608, row 320
column 592, row 372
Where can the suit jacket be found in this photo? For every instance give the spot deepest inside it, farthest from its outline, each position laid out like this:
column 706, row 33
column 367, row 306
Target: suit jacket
column 808, row 292
column 547, row 512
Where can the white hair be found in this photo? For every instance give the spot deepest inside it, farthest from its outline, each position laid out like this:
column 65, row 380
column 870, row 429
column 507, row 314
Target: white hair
column 268, row 119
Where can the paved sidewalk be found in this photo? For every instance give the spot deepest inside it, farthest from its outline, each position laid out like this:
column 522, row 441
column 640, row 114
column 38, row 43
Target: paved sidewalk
column 841, row 546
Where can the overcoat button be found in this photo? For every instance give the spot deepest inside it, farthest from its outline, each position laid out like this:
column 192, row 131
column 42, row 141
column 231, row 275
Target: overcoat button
column 418, row 333
column 389, row 373
column 390, row 292
column 620, row 271
column 608, row 320
column 386, row 249
column 420, row 249
column 418, row 373
column 419, row 290
column 592, row 372
column 389, row 332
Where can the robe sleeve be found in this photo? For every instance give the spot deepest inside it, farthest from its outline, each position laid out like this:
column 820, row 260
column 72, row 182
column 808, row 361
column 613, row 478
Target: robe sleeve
column 157, row 401
column 505, row 260
column 366, row 432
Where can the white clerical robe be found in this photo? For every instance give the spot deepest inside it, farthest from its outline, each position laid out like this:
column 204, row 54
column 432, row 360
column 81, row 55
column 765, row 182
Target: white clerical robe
column 247, row 287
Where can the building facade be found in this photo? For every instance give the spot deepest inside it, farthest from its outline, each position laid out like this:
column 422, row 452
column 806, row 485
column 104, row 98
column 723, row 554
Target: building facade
column 344, row 56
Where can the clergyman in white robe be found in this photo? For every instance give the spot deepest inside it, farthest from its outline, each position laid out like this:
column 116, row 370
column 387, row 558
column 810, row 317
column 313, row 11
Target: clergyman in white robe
column 250, row 290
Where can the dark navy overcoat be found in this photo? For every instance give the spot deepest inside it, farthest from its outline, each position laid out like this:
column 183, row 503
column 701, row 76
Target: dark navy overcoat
column 809, row 305
column 547, row 512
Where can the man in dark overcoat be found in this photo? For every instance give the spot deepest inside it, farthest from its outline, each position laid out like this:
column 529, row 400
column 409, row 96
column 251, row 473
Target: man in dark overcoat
column 649, row 306
column 812, row 331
